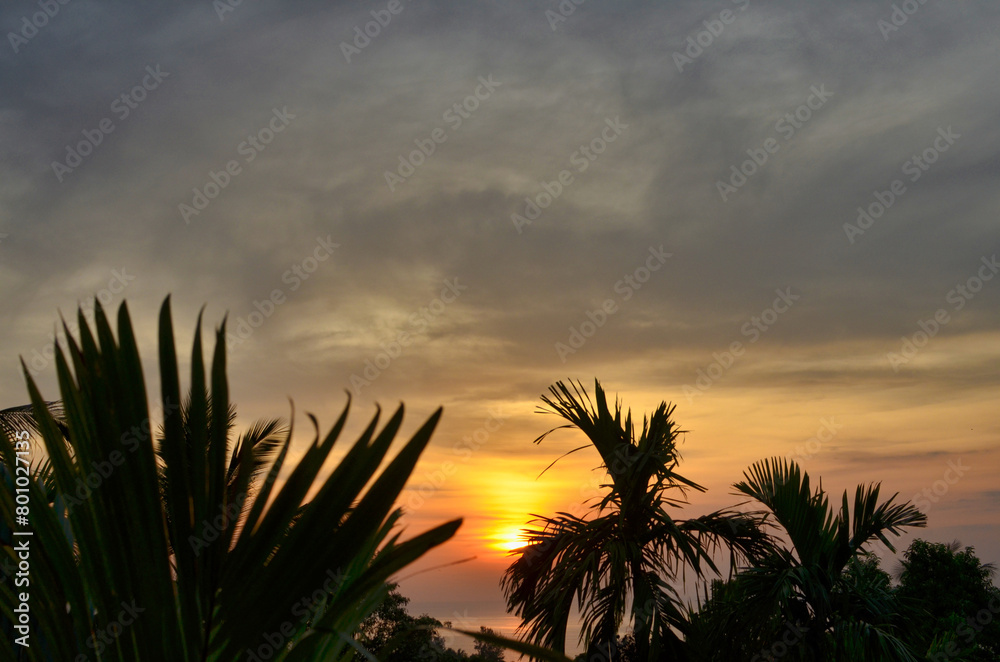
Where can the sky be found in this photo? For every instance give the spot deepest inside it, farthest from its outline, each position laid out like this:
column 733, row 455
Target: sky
column 780, row 216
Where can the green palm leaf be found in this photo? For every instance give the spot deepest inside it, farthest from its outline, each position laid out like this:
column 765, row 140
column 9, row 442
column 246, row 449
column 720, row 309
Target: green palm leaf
column 810, row 582
column 162, row 525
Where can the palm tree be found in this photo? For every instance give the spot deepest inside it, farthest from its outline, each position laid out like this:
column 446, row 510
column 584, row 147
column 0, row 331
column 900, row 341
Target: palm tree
column 152, row 569
column 824, row 588
column 625, row 554
column 14, row 420
column 174, row 554
column 262, row 440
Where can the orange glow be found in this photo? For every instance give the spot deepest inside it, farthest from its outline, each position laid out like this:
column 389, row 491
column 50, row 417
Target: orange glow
column 509, row 496
column 508, row 539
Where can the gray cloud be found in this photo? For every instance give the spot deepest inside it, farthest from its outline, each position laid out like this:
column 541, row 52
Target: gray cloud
column 654, row 185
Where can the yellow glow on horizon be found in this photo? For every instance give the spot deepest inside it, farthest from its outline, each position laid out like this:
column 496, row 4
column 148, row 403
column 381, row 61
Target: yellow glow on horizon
column 509, row 496
column 508, row 539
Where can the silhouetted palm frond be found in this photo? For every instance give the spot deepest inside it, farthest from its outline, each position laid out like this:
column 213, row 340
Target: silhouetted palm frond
column 621, row 558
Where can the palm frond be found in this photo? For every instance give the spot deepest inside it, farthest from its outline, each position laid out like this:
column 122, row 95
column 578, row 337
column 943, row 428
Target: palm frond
column 816, row 581
column 158, row 525
column 618, row 561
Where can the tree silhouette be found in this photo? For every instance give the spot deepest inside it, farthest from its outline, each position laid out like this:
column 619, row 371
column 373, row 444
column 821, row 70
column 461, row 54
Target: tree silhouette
column 196, row 584
column 626, row 553
column 822, row 598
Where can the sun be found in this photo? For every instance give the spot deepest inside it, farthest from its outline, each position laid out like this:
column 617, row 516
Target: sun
column 508, row 538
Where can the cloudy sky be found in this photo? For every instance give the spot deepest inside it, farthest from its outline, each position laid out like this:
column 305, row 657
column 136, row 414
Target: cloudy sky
column 782, row 218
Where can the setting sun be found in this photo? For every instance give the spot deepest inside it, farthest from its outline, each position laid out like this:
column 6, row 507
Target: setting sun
column 508, row 538
column 569, row 331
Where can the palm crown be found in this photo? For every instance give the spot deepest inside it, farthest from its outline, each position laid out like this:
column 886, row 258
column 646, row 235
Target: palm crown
column 626, row 552
column 819, row 590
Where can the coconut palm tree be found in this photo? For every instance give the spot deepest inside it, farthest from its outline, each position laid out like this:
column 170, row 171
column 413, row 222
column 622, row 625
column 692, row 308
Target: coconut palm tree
column 821, row 593
column 624, row 555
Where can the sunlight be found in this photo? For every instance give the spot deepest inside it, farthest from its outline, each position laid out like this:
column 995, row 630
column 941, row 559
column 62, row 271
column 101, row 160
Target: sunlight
column 511, row 496
column 508, row 538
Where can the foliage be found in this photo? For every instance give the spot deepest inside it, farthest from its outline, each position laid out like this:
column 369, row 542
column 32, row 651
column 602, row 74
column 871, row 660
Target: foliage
column 391, row 634
column 487, row 651
column 822, row 598
column 15, row 419
column 950, row 602
column 625, row 554
column 156, row 562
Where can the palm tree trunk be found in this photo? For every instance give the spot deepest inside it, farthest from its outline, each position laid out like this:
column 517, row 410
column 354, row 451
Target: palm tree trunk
column 642, row 608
